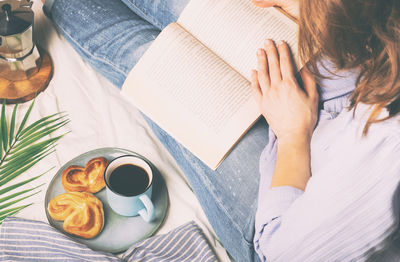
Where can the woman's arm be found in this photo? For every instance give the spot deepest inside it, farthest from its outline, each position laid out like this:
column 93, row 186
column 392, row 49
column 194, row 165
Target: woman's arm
column 290, row 112
column 292, row 166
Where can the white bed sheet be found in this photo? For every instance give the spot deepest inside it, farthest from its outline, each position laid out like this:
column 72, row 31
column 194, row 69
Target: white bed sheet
column 101, row 117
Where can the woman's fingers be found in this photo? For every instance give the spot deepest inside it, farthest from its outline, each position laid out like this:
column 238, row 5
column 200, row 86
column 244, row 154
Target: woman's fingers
column 273, row 62
column 273, row 65
column 262, row 68
column 255, row 87
column 285, row 60
column 309, row 82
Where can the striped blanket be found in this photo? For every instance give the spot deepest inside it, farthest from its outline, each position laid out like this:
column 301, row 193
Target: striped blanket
column 28, row 240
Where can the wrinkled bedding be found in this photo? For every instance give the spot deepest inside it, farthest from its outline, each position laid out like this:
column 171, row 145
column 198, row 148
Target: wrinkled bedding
column 101, row 117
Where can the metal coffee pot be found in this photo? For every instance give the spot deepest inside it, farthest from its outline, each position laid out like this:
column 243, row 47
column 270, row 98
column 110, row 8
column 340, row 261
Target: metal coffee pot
column 19, row 57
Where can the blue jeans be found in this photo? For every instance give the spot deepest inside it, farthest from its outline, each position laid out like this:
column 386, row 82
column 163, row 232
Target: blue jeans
column 112, row 36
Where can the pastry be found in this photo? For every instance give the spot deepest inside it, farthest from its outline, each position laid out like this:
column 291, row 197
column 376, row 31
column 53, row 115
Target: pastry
column 85, row 179
column 81, row 212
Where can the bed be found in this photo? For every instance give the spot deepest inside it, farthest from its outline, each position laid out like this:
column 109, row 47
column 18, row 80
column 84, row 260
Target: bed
column 101, row 117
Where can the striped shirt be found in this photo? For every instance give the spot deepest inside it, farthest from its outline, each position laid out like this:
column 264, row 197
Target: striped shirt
column 349, row 209
column 28, row 240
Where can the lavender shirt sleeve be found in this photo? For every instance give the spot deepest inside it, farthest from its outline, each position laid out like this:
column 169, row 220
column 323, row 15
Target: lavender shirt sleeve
column 272, row 203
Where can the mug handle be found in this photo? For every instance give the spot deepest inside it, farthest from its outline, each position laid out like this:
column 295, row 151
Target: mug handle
column 147, row 213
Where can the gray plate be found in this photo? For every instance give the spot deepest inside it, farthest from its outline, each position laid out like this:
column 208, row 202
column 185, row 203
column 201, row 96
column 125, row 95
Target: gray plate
column 119, row 232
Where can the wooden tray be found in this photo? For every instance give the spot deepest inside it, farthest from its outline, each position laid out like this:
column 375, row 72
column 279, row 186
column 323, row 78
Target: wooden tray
column 25, row 90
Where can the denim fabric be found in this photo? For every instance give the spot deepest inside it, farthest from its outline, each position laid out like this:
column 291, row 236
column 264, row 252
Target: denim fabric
column 159, row 13
column 112, row 38
column 228, row 195
column 109, row 36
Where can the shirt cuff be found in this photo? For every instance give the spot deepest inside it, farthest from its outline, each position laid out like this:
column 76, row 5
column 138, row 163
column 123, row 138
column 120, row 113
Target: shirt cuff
column 273, row 203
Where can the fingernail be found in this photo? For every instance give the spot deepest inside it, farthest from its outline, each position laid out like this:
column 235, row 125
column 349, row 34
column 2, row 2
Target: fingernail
column 281, row 42
column 259, row 51
column 269, row 42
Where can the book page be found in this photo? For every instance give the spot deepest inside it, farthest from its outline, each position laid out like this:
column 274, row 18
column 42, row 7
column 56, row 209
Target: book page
column 235, row 29
column 192, row 94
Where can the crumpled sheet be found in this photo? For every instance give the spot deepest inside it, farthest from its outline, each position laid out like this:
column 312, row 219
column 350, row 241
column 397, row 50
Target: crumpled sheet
column 100, row 117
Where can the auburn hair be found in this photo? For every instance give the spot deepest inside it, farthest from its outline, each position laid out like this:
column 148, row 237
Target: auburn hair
column 356, row 34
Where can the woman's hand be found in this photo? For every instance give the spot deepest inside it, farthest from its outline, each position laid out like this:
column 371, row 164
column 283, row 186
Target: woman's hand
column 290, row 111
column 290, row 6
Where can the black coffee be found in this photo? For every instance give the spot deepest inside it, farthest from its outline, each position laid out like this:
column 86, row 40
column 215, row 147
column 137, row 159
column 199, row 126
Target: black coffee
column 129, row 180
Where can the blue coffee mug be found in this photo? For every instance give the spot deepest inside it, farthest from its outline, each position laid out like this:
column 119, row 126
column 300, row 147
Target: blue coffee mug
column 125, row 205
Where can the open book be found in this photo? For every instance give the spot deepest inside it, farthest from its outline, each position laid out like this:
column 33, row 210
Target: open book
column 194, row 80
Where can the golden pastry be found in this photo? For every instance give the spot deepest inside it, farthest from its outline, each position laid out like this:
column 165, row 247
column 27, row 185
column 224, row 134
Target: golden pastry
column 85, row 179
column 81, row 212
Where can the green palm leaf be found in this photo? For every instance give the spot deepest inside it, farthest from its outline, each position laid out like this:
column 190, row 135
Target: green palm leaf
column 14, row 186
column 22, row 147
column 28, row 112
column 40, row 123
column 16, row 171
column 4, row 130
column 12, row 125
column 10, row 203
column 12, row 196
column 11, row 212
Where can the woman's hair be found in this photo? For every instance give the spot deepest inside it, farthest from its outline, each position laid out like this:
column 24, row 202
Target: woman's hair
column 362, row 34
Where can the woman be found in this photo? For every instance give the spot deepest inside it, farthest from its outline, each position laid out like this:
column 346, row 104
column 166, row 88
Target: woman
column 347, row 209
